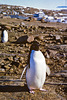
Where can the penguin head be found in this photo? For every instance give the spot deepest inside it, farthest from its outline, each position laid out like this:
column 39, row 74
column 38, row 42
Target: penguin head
column 3, row 29
column 35, row 46
column 2, row 32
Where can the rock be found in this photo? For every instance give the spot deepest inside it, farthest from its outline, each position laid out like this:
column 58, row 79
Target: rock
column 14, row 67
column 46, row 34
column 42, row 27
column 15, row 63
column 34, row 19
column 30, row 39
column 22, row 24
column 40, row 37
column 27, row 19
column 64, row 39
column 30, row 29
column 49, row 62
column 59, row 56
column 16, row 58
column 26, row 27
column 65, row 65
column 43, row 20
column 11, row 70
column 2, row 70
column 51, row 53
column 58, row 47
column 0, row 27
column 57, row 37
column 22, row 39
column 13, row 29
column 47, row 55
column 16, row 37
column 27, row 45
column 35, row 28
column 8, row 27
column 21, row 30
column 24, row 65
column 6, row 67
column 31, row 19
column 20, row 66
column 22, row 59
column 2, row 64
column 65, row 30
column 22, row 51
column 24, row 31
column 59, row 74
column 10, row 58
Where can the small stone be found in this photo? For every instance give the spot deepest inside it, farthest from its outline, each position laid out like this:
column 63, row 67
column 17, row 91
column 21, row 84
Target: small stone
column 11, row 70
column 16, row 37
column 34, row 19
column 65, row 30
column 6, row 67
column 22, row 24
column 2, row 70
column 30, row 39
column 58, row 37
column 65, row 65
column 20, row 66
column 42, row 20
column 8, row 27
column 21, row 59
column 10, row 58
column 27, row 45
column 49, row 62
column 40, row 37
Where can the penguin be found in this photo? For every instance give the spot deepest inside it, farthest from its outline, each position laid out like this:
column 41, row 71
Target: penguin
column 4, row 36
column 36, row 72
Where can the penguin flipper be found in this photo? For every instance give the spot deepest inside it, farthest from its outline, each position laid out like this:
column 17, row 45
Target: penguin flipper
column 47, row 70
column 23, row 71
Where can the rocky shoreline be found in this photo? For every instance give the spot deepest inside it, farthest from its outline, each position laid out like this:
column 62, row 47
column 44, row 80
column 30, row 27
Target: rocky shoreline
column 14, row 54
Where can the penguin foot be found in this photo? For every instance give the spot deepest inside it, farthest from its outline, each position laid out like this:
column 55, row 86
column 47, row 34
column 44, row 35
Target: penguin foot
column 31, row 91
column 43, row 89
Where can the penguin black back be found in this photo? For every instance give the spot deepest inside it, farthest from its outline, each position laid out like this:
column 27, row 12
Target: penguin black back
column 2, row 33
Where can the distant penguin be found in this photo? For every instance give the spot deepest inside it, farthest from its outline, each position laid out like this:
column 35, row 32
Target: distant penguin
column 4, row 36
column 36, row 72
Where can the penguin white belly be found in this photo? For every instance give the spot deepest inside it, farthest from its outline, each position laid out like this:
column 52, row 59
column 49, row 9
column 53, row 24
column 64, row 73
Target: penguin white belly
column 36, row 74
column 5, row 36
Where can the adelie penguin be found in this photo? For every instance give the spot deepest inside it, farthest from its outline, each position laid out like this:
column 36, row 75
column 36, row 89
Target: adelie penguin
column 4, row 36
column 36, row 72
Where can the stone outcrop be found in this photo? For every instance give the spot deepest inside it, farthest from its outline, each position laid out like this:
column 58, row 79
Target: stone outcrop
column 22, row 39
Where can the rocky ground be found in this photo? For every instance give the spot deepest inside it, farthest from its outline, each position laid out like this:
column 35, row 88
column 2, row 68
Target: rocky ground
column 14, row 54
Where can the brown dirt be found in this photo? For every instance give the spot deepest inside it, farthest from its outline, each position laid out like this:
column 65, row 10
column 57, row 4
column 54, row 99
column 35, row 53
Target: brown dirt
column 13, row 66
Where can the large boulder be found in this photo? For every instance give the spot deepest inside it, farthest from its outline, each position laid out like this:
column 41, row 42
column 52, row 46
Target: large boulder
column 22, row 39
column 25, row 39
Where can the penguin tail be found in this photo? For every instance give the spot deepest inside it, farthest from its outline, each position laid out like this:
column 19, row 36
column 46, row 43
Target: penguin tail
column 48, row 70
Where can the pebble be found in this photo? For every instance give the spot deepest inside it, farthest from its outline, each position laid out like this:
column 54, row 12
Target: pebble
column 30, row 39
